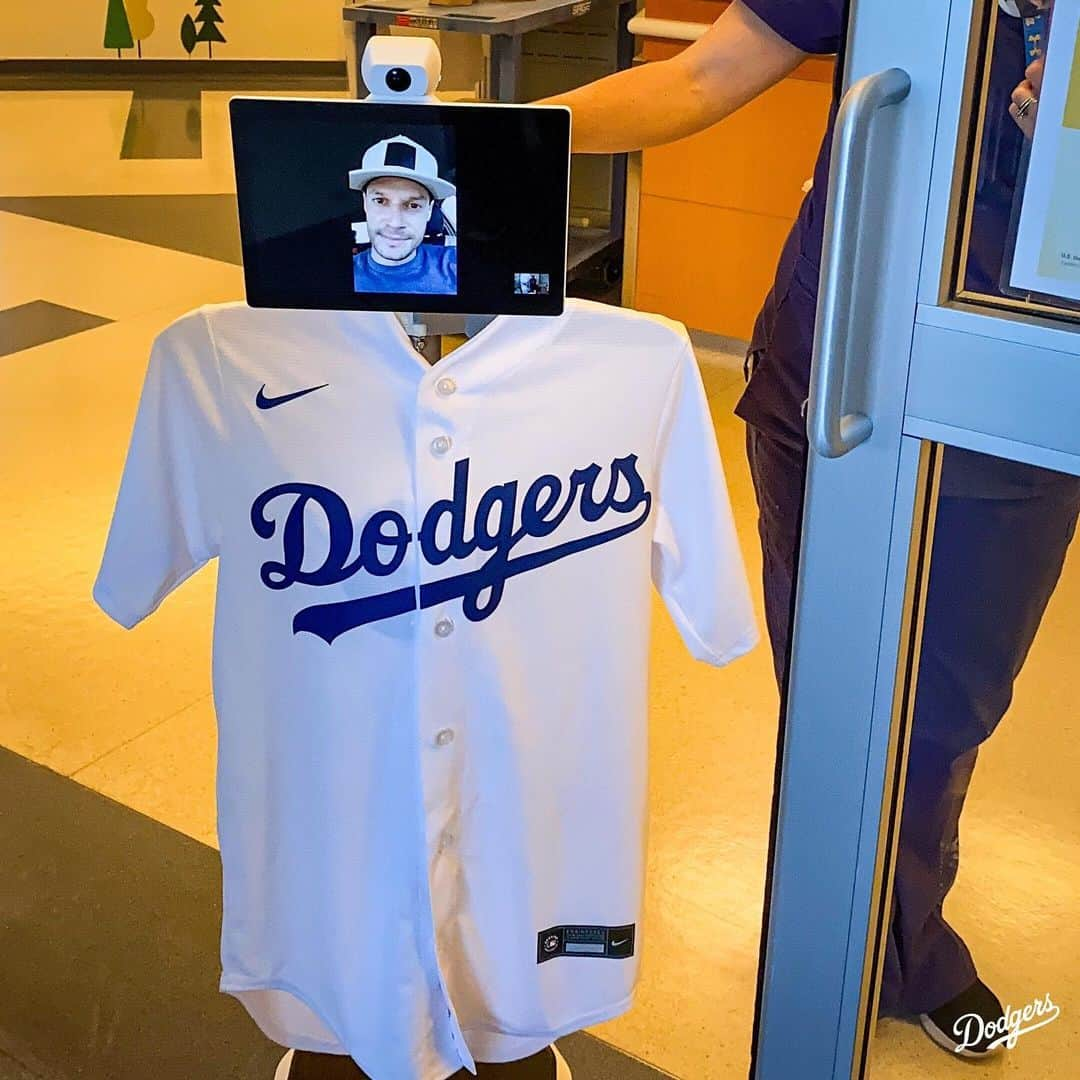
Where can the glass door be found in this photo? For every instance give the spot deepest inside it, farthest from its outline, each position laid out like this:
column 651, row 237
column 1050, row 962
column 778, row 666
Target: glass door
column 927, row 849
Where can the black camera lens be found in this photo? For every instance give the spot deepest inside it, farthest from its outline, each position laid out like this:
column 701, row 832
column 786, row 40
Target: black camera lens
column 398, row 80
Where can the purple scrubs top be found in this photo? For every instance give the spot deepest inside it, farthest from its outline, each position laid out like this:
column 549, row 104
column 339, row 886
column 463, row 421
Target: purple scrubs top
column 783, row 337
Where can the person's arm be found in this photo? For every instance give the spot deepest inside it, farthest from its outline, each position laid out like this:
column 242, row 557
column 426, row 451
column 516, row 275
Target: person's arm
column 738, row 57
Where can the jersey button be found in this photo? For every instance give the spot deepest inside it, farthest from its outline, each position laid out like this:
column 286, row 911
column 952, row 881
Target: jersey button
column 445, row 737
column 441, row 445
column 444, row 627
column 445, row 387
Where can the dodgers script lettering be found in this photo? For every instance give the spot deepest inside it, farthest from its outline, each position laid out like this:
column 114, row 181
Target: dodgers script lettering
column 502, row 519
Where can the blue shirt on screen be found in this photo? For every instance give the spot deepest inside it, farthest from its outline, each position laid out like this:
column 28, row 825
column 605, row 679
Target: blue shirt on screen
column 433, row 270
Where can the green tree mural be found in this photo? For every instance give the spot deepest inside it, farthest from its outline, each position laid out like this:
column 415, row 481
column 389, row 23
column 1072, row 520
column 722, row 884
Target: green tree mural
column 208, row 19
column 189, row 36
column 140, row 20
column 117, row 28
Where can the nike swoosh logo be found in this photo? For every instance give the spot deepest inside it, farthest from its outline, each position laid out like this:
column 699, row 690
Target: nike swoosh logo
column 616, row 944
column 272, row 403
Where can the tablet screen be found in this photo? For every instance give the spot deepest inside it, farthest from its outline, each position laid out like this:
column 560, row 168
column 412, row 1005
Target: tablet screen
column 402, row 207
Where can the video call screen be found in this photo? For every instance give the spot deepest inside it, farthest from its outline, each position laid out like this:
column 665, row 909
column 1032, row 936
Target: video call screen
column 402, row 207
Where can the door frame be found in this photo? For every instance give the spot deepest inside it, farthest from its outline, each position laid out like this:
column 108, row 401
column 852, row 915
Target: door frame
column 923, row 370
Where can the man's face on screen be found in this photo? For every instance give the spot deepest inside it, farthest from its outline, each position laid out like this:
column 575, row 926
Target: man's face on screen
column 398, row 211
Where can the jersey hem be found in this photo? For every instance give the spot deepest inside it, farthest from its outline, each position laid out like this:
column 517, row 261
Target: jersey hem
column 495, row 1046
column 235, row 987
column 489, row 1045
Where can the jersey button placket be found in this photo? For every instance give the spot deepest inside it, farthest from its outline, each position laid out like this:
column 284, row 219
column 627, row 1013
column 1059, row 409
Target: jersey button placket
column 443, row 769
column 438, row 447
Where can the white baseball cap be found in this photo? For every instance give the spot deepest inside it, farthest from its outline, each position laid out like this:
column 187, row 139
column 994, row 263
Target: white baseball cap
column 400, row 156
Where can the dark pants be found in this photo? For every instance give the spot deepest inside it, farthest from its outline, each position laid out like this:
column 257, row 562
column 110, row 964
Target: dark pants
column 996, row 561
column 309, row 1066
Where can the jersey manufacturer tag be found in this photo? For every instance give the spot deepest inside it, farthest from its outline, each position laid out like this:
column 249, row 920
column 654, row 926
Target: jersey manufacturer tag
column 605, row 942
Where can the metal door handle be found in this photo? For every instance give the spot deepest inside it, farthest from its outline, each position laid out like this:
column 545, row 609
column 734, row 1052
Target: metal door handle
column 831, row 432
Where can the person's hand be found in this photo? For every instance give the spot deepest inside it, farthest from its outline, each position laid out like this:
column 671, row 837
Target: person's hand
column 1025, row 98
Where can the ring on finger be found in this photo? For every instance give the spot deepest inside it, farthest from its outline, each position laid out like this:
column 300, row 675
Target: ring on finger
column 1026, row 105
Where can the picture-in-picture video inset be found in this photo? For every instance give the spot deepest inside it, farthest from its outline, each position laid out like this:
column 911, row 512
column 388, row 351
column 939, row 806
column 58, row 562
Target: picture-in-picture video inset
column 532, row 284
column 398, row 207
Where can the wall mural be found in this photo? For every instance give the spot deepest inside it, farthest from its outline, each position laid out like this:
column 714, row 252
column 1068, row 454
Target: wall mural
column 128, row 23
column 204, row 27
column 118, row 30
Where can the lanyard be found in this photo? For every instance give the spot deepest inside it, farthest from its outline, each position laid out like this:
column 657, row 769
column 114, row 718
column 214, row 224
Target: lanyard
column 1035, row 15
column 1034, row 36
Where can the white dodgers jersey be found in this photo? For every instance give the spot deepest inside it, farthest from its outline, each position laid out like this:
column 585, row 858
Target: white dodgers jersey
column 431, row 647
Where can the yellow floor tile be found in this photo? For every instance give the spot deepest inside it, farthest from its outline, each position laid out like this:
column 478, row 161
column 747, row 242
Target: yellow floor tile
column 75, row 684
column 712, row 743
column 166, row 773
column 106, row 275
column 1018, row 888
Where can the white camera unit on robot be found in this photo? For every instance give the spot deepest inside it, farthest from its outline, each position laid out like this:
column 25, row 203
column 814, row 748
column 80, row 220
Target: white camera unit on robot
column 401, row 69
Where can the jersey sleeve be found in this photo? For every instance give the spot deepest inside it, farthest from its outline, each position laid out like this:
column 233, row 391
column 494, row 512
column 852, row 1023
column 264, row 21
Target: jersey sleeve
column 697, row 564
column 164, row 524
column 815, row 26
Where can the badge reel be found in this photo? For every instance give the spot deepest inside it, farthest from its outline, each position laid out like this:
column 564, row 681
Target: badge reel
column 1036, row 19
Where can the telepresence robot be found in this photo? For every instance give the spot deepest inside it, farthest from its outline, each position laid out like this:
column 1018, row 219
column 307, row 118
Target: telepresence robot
column 396, row 69
column 495, row 239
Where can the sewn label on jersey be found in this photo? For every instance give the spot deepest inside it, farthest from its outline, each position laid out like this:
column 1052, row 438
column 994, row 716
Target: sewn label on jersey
column 603, row 942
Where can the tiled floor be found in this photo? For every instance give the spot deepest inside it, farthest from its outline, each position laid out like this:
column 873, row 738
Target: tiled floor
column 37, row 322
column 128, row 714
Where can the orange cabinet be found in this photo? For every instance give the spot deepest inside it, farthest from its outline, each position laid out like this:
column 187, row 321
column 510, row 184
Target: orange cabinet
column 715, row 208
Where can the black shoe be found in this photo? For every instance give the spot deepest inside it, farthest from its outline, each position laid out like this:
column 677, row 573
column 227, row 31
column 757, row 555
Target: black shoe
column 971, row 1025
